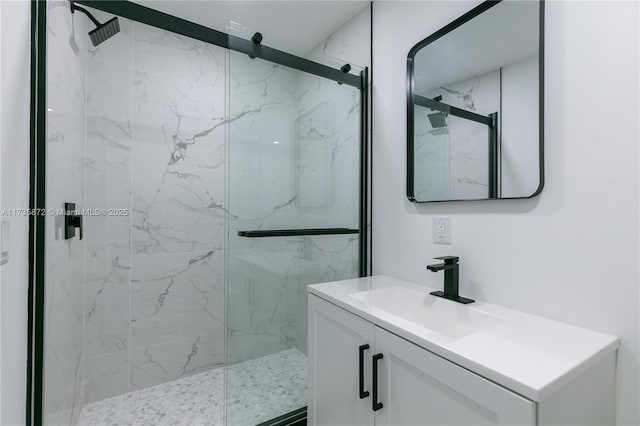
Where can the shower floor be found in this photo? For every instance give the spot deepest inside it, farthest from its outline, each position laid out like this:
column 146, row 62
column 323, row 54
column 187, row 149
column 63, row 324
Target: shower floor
column 257, row 390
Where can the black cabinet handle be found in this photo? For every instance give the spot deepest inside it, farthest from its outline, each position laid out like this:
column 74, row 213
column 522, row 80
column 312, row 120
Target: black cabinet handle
column 363, row 393
column 375, row 404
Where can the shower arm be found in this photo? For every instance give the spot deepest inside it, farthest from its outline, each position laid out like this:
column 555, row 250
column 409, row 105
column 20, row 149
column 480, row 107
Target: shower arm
column 74, row 7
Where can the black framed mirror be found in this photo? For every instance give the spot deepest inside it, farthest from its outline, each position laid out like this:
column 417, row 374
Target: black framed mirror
column 475, row 106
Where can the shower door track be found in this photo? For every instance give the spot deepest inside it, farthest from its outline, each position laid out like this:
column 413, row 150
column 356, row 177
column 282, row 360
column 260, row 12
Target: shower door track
column 37, row 196
column 171, row 23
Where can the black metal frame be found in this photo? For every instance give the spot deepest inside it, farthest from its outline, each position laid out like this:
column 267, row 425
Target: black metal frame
column 138, row 13
column 455, row 111
column 295, row 418
column 37, row 202
column 494, row 164
column 162, row 20
column 493, row 145
column 296, row 232
column 363, row 246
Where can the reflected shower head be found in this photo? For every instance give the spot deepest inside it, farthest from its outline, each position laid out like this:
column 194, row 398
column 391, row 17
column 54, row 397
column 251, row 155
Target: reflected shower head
column 102, row 32
column 437, row 120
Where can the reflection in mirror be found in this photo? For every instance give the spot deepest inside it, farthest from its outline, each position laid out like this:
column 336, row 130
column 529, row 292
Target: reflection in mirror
column 474, row 106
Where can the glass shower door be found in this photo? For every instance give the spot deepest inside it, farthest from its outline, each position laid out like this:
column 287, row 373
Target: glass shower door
column 294, row 167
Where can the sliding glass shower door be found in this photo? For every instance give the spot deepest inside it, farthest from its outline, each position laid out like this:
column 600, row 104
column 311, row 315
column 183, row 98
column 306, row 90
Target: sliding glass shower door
column 194, row 189
column 293, row 194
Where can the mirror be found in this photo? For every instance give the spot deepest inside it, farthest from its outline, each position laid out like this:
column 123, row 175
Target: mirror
column 475, row 106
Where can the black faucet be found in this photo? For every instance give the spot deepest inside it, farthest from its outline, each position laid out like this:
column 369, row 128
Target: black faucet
column 450, row 267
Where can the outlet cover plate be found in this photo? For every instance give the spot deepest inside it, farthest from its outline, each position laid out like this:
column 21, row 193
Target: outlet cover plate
column 442, row 230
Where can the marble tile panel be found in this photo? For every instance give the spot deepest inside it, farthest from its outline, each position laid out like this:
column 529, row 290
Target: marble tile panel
column 179, row 100
column 175, row 296
column 65, row 171
column 108, row 264
column 157, row 364
column 107, row 298
column 106, row 376
column 63, row 352
column 110, row 97
column 177, row 209
column 261, row 296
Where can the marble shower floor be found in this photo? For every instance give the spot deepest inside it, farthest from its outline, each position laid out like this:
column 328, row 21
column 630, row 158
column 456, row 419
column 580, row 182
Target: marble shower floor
column 258, row 390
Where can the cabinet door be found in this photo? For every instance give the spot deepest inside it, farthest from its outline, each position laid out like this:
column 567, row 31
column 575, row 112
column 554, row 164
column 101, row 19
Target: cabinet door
column 417, row 387
column 335, row 337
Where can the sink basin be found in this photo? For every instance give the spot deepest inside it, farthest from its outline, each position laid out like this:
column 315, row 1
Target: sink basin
column 439, row 315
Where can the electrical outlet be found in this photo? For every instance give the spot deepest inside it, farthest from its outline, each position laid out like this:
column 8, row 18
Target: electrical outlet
column 442, row 230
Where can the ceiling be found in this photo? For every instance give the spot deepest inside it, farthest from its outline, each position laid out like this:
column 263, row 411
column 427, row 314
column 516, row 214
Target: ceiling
column 295, row 26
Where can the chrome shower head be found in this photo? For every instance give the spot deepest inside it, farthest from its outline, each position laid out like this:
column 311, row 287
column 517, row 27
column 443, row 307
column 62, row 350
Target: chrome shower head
column 102, row 32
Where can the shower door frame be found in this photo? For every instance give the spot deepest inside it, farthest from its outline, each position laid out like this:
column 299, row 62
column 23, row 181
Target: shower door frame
column 38, row 121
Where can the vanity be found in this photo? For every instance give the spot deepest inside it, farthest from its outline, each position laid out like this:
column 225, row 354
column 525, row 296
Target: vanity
column 384, row 351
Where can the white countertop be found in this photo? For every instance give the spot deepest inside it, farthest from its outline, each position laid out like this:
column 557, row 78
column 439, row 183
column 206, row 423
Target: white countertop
column 530, row 355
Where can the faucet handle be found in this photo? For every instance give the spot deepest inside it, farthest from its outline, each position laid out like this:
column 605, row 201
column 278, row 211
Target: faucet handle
column 449, row 260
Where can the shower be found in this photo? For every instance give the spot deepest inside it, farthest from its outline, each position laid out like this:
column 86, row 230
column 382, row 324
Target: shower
column 223, row 177
column 102, row 32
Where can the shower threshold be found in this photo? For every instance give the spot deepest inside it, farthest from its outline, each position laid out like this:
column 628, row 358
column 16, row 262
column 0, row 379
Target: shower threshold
column 257, row 391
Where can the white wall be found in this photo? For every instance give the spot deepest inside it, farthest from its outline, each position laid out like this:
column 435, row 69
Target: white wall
column 0, row 207
column 15, row 39
column 570, row 254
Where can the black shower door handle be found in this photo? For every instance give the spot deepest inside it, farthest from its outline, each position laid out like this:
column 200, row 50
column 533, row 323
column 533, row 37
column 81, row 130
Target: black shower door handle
column 375, row 404
column 363, row 393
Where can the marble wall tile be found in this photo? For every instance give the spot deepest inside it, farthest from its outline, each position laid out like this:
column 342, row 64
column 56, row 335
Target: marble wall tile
column 106, row 376
column 276, row 185
column 107, row 294
column 179, row 96
column 110, row 97
column 109, row 104
column 153, row 365
column 348, row 44
column 63, row 353
column 155, row 146
column 324, row 258
column 177, row 209
column 65, row 171
column 340, row 135
column 261, row 298
column 175, row 296
column 262, row 99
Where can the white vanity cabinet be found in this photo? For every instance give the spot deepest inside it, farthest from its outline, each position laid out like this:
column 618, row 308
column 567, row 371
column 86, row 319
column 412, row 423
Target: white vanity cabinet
column 385, row 352
column 334, row 350
column 415, row 387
